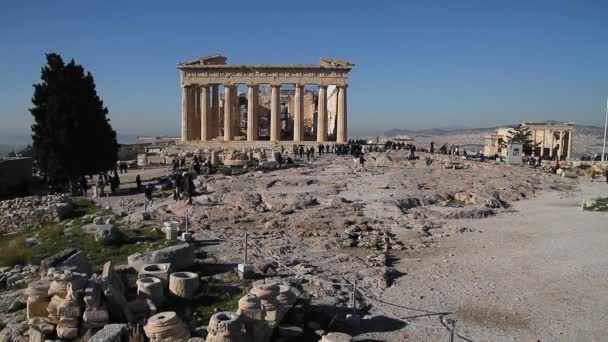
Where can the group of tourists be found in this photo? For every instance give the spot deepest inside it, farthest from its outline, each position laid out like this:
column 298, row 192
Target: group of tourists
column 104, row 179
column 123, row 167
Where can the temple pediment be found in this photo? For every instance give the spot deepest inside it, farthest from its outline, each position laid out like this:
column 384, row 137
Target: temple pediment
column 335, row 62
column 209, row 60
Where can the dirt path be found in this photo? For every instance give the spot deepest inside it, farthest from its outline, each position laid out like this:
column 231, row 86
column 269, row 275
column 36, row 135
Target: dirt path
column 539, row 273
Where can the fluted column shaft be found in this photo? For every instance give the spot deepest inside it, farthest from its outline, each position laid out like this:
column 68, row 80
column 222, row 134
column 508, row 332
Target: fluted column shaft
column 196, row 118
column 252, row 118
column 341, row 134
column 298, row 115
column 275, row 112
column 228, row 134
column 185, row 100
column 570, row 145
column 205, row 113
column 322, row 115
column 214, row 120
column 236, row 112
column 561, row 145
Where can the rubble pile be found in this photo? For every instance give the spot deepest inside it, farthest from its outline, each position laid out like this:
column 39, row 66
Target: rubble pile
column 34, row 210
column 17, row 275
column 366, row 236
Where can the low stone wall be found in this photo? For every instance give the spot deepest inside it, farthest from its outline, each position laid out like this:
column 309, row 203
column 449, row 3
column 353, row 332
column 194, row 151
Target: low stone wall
column 21, row 212
column 15, row 173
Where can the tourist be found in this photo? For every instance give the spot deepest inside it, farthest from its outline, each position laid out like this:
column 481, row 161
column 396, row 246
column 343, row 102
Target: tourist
column 432, row 147
column 361, row 161
column 196, row 166
column 188, row 186
column 112, row 186
column 412, row 152
column 177, row 187
column 312, row 152
column 182, row 162
column 148, row 197
column 138, row 183
column 280, row 159
column 301, row 150
column 308, row 154
column 101, row 185
column 592, row 173
column 209, row 166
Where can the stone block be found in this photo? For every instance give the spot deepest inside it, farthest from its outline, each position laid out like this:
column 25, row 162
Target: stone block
column 67, row 328
column 226, row 326
column 107, row 233
column 179, row 256
column 37, row 307
column 113, row 290
column 336, row 337
column 166, row 326
column 245, row 271
column 36, row 335
column 69, row 308
column 80, row 261
column 92, row 294
column 183, row 284
column 151, row 288
column 110, row 333
column 95, row 317
column 55, row 259
column 160, row 271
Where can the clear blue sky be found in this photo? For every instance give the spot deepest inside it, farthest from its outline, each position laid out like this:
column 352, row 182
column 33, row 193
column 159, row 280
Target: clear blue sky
column 419, row 64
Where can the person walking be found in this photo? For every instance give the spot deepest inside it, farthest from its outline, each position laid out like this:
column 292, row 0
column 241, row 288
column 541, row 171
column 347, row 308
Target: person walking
column 188, row 186
column 362, row 161
column 148, row 202
column 138, row 183
column 280, row 159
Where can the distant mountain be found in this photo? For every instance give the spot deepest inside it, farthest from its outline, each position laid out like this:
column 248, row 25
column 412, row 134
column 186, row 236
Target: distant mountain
column 437, row 131
column 580, row 129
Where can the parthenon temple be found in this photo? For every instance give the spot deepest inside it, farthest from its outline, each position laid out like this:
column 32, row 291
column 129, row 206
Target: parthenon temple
column 280, row 102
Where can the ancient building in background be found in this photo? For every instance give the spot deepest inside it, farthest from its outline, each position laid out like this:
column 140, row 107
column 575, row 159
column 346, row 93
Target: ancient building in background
column 277, row 106
column 550, row 140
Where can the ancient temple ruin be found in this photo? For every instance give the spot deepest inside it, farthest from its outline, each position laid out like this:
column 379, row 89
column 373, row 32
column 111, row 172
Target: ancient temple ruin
column 549, row 140
column 209, row 113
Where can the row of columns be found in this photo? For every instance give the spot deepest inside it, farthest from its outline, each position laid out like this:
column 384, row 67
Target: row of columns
column 560, row 151
column 203, row 102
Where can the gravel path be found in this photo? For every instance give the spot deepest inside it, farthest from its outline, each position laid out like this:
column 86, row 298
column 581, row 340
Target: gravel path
column 539, row 273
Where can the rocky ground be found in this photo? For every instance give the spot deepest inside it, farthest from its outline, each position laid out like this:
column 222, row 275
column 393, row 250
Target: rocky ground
column 457, row 239
column 327, row 224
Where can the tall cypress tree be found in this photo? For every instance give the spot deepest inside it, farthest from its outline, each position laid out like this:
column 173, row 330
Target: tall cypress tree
column 71, row 134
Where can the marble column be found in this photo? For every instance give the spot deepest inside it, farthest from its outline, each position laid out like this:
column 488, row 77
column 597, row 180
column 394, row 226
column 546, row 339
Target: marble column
column 561, row 145
column 236, row 112
column 252, row 118
column 552, row 144
column 275, row 113
column 185, row 105
column 205, row 113
column 215, row 112
column 228, row 93
column 298, row 114
column 570, row 140
column 341, row 131
column 196, row 122
column 191, row 112
column 322, row 115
